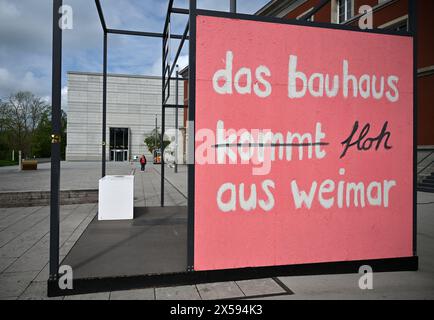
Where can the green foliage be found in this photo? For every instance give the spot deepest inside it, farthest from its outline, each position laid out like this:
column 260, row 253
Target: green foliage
column 5, row 163
column 25, row 124
column 41, row 142
column 150, row 141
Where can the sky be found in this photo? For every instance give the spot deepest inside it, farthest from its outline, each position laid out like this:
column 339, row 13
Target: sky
column 26, row 32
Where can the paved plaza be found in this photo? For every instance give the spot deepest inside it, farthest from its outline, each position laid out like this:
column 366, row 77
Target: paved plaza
column 24, row 242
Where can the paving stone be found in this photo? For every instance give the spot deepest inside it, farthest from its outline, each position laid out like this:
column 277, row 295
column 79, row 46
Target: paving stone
column 31, row 261
column 72, row 222
column 27, row 224
column 138, row 294
column 18, row 246
column 6, row 212
column 86, row 208
column 43, row 274
column 37, row 291
column 76, row 234
column 5, row 263
column 66, row 247
column 177, row 293
column 19, row 214
column 32, row 234
column 260, row 287
column 37, row 257
column 219, row 290
column 14, row 284
column 34, row 259
column 68, row 226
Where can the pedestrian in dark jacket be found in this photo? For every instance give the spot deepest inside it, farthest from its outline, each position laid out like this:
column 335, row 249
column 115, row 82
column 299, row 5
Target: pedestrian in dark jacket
column 143, row 162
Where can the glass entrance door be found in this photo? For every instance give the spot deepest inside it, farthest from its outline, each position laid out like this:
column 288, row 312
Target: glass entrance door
column 119, row 142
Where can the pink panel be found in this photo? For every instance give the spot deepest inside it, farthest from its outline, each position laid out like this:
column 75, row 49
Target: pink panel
column 327, row 230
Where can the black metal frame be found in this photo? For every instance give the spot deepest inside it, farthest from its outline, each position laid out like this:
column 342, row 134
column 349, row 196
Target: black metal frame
column 56, row 111
column 56, row 100
column 92, row 285
column 191, row 121
column 412, row 8
column 166, row 75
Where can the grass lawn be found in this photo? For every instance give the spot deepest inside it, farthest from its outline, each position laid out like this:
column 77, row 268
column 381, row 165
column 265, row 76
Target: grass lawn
column 5, row 163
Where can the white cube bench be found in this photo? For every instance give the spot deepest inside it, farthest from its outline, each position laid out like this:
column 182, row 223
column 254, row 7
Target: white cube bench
column 116, row 198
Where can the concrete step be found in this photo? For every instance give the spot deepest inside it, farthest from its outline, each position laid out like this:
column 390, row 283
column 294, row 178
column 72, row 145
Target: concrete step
column 425, row 189
column 427, row 180
column 42, row 198
column 426, row 184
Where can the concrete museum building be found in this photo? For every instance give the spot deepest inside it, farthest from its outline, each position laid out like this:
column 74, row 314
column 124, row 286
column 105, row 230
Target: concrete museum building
column 133, row 104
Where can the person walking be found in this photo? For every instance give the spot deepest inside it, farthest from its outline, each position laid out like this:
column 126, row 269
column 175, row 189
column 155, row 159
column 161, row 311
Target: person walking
column 142, row 162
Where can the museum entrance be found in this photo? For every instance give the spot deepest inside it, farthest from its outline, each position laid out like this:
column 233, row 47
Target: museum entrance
column 119, row 144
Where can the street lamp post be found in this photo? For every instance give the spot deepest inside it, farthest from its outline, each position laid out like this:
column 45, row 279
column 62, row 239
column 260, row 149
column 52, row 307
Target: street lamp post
column 156, row 136
column 233, row 8
column 176, row 118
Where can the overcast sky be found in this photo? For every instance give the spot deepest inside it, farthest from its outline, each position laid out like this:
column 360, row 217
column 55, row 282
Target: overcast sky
column 25, row 39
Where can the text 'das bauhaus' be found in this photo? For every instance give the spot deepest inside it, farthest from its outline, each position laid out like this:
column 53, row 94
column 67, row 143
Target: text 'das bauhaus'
column 303, row 144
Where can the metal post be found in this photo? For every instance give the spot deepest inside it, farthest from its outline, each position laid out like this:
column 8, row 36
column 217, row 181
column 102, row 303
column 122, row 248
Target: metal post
column 156, row 133
column 176, row 118
column 104, row 108
column 56, row 93
column 162, row 155
column 233, row 6
column 163, row 124
column 163, row 95
column 20, row 159
column 191, row 138
column 412, row 10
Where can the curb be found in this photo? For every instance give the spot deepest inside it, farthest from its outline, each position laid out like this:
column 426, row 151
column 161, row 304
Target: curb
column 42, row 198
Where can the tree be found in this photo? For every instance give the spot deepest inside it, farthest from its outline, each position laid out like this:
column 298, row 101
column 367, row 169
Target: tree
column 4, row 141
column 41, row 144
column 150, row 141
column 25, row 124
column 21, row 114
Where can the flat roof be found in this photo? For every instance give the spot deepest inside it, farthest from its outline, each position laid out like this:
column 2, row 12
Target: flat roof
column 82, row 73
column 121, row 75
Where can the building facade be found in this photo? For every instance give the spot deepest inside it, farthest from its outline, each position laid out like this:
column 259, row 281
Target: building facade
column 386, row 14
column 133, row 104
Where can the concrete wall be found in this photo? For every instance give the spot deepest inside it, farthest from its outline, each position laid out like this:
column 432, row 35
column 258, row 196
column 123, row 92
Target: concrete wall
column 132, row 102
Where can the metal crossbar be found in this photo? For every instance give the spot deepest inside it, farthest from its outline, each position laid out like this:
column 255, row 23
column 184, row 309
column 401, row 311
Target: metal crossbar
column 143, row 34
